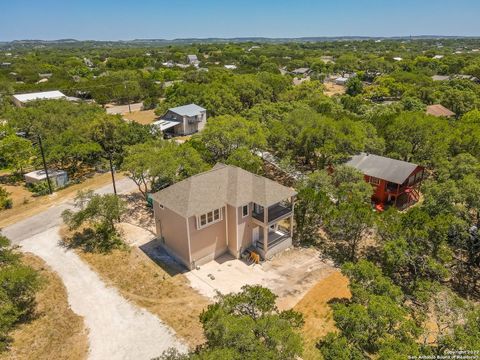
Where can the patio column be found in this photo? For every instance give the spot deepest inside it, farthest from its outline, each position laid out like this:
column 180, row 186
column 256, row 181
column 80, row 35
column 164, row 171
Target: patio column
column 292, row 199
column 265, row 230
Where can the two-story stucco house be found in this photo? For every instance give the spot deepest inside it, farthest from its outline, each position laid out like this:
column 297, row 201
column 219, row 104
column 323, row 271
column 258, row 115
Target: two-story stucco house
column 183, row 120
column 224, row 210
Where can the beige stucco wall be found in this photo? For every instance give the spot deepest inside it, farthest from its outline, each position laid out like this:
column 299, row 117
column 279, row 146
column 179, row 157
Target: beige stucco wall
column 245, row 227
column 209, row 242
column 173, row 228
column 232, row 230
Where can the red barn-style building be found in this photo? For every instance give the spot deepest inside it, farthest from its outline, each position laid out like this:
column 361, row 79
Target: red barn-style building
column 395, row 182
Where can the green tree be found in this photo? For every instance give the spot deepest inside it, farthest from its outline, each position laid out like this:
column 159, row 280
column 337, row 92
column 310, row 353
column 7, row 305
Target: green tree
column 18, row 285
column 374, row 322
column 155, row 164
column 248, row 325
column 354, row 86
column 243, row 158
column 99, row 213
column 224, row 134
column 16, row 152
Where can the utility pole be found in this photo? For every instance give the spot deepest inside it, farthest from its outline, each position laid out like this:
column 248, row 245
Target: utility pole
column 44, row 164
column 112, row 172
column 128, row 96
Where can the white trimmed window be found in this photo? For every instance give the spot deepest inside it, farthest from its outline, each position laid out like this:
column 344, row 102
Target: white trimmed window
column 245, row 210
column 209, row 218
column 374, row 180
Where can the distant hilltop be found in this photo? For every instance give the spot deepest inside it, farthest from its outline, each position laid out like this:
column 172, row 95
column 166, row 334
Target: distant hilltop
column 226, row 40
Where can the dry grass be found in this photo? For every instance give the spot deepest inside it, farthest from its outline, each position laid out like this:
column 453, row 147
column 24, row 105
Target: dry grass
column 19, row 194
column 57, row 332
column 41, row 203
column 317, row 313
column 151, row 287
column 332, row 89
column 142, row 117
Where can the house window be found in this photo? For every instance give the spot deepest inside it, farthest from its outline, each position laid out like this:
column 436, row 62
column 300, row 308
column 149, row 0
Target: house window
column 374, row 180
column 244, row 210
column 209, row 218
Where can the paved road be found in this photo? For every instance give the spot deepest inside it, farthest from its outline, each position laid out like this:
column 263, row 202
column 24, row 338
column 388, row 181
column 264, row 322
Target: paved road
column 52, row 217
column 117, row 328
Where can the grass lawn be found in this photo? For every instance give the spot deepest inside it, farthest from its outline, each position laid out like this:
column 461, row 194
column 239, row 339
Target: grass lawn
column 317, row 313
column 153, row 288
column 332, row 89
column 142, row 117
column 57, row 332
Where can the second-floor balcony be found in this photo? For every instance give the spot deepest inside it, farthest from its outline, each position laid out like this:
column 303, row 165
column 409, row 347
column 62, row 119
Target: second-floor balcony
column 275, row 212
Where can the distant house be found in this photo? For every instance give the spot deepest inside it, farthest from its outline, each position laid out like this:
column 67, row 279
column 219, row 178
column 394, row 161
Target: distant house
column 230, row 67
column 301, row 71
column 193, row 60
column 341, row 80
column 6, row 64
column 394, row 182
column 45, row 75
column 183, row 120
column 440, row 77
column 439, row 110
column 22, row 99
column 438, row 57
column 397, row 58
column 224, row 210
column 58, row 178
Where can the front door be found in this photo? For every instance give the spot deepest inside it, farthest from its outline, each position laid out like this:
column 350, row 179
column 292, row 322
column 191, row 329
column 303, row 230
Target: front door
column 255, row 235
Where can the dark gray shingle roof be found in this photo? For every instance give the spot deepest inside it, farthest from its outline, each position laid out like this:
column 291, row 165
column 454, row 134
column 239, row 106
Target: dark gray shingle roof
column 381, row 167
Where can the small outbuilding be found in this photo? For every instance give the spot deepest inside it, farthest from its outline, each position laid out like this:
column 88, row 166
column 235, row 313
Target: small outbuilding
column 58, row 178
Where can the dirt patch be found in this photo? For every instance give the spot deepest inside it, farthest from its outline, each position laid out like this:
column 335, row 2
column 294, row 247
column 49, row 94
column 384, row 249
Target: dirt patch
column 332, row 89
column 142, row 117
column 57, row 332
column 41, row 203
column 317, row 313
column 161, row 290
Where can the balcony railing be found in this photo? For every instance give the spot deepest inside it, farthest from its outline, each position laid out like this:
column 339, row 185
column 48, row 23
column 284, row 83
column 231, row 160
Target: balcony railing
column 275, row 212
column 274, row 238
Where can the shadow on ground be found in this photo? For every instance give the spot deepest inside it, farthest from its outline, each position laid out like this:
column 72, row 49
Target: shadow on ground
column 155, row 251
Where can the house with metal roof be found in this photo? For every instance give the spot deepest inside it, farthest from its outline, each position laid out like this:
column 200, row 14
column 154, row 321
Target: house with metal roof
column 223, row 210
column 182, row 120
column 21, row 99
column 394, row 182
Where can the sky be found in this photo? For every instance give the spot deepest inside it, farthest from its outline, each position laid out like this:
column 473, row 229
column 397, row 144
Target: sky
column 160, row 19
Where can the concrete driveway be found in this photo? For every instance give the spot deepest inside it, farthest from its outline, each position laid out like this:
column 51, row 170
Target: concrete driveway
column 117, row 328
column 290, row 275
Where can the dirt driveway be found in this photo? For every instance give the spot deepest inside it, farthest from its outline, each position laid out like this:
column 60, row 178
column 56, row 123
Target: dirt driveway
column 290, row 275
column 117, row 329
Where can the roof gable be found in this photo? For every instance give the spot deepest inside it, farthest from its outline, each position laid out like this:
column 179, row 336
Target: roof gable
column 223, row 184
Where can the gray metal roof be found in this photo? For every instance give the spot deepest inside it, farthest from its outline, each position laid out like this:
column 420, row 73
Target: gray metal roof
column 188, row 110
column 381, row 167
column 224, row 184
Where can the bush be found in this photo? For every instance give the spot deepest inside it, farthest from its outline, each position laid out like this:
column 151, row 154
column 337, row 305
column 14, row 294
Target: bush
column 5, row 201
column 18, row 285
column 40, row 188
